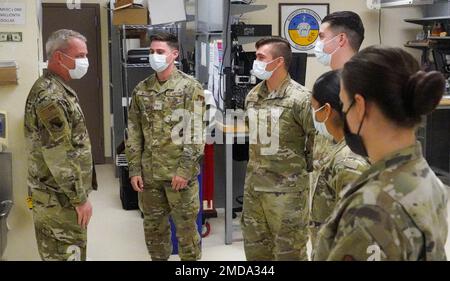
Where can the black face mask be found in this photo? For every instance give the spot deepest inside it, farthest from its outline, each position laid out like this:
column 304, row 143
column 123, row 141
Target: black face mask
column 354, row 141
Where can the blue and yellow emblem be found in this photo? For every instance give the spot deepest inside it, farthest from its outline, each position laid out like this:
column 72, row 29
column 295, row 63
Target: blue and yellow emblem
column 301, row 29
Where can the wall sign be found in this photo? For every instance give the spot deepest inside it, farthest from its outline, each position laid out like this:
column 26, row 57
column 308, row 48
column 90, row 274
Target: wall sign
column 300, row 23
column 12, row 13
column 10, row 36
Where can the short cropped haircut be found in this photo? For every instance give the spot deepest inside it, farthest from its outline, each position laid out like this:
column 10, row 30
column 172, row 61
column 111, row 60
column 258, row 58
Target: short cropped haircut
column 281, row 48
column 349, row 23
column 169, row 38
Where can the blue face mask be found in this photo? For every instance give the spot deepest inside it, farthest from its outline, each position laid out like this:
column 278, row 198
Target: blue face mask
column 321, row 56
column 320, row 126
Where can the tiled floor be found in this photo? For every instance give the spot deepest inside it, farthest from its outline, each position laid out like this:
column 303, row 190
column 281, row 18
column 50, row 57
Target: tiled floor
column 116, row 234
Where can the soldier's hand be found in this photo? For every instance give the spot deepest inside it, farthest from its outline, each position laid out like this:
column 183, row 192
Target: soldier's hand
column 137, row 183
column 84, row 214
column 179, row 183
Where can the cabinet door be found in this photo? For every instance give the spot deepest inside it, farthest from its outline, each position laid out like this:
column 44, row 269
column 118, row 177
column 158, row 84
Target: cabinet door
column 438, row 141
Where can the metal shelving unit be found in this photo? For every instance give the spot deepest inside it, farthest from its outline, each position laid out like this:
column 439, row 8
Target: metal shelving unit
column 428, row 20
column 434, row 132
column 238, row 9
column 420, row 46
column 227, row 170
column 135, row 65
column 124, row 76
column 402, row 3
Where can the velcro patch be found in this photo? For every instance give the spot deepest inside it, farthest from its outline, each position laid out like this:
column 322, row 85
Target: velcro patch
column 54, row 121
column 158, row 105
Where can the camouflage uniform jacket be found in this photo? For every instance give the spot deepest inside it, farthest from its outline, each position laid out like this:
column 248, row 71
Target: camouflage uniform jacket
column 322, row 148
column 340, row 168
column 285, row 170
column 60, row 157
column 397, row 210
column 150, row 151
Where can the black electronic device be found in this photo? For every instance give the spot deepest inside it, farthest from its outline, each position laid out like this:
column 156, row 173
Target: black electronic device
column 297, row 70
column 128, row 196
column 136, row 56
column 251, row 30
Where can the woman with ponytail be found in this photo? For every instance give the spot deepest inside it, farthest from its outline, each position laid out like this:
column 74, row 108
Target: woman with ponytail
column 396, row 210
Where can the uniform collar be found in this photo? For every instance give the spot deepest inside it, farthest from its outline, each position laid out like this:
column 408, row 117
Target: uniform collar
column 170, row 84
column 335, row 149
column 59, row 80
column 341, row 143
column 339, row 146
column 391, row 161
column 276, row 94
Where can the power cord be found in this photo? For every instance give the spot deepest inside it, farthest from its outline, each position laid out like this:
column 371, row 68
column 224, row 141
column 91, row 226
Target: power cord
column 379, row 25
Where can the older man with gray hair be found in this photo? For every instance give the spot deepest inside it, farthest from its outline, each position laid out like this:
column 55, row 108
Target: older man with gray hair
column 60, row 165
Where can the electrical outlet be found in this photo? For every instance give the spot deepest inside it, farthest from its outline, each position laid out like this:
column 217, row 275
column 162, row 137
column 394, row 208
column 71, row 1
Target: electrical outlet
column 16, row 36
column 3, row 37
column 10, row 36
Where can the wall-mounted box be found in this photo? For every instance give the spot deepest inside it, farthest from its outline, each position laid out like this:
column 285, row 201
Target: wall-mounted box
column 8, row 72
column 8, row 76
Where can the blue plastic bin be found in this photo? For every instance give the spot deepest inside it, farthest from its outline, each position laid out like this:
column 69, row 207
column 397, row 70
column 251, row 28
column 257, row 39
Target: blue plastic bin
column 199, row 220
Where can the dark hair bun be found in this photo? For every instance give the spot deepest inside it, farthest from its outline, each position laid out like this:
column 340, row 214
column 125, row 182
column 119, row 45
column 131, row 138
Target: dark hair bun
column 391, row 78
column 423, row 92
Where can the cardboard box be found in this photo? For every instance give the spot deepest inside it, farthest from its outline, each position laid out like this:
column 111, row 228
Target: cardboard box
column 8, row 76
column 120, row 4
column 131, row 16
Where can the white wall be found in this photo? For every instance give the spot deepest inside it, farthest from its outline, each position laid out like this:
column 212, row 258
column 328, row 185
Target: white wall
column 395, row 32
column 21, row 244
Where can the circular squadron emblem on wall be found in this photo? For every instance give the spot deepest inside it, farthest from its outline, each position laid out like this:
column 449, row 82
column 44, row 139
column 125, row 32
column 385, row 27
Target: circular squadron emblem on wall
column 301, row 29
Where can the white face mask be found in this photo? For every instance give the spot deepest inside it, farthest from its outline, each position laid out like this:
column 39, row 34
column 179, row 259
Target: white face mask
column 158, row 62
column 321, row 56
column 81, row 67
column 259, row 69
column 320, row 126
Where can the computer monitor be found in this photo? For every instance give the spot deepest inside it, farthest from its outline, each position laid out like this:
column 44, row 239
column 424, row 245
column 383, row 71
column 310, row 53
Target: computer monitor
column 3, row 129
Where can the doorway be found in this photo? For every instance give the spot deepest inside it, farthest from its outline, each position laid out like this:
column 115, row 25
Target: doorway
column 86, row 21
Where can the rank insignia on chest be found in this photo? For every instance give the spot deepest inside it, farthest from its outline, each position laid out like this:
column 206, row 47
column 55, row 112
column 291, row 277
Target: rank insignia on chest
column 158, row 105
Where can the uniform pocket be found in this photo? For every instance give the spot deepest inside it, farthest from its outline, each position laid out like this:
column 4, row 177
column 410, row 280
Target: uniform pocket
column 63, row 200
column 41, row 198
column 146, row 107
